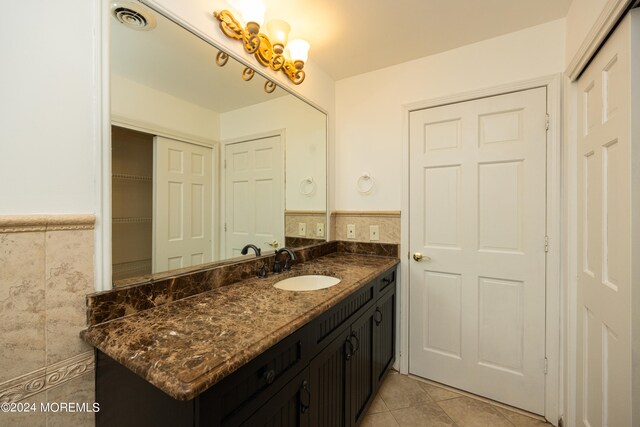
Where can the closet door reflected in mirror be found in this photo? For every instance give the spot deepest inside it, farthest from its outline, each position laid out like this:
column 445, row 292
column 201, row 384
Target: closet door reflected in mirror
column 178, row 117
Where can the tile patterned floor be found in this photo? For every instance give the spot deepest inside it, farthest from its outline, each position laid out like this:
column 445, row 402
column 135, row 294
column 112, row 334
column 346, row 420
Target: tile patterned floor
column 406, row 402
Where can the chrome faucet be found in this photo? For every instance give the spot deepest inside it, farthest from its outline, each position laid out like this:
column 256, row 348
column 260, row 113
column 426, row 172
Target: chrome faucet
column 256, row 249
column 287, row 265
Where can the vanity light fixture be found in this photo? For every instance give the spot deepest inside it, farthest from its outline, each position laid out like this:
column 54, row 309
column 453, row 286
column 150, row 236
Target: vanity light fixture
column 268, row 50
column 247, row 73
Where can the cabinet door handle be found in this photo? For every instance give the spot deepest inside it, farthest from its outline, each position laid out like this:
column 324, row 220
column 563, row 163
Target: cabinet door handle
column 304, row 407
column 269, row 376
column 348, row 349
column 354, row 336
column 378, row 316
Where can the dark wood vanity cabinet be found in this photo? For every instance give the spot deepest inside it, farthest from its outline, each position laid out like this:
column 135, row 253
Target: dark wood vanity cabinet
column 289, row 407
column 384, row 351
column 346, row 374
column 325, row 374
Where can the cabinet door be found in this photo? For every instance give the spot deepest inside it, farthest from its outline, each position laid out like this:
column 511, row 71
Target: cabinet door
column 385, row 334
column 287, row 408
column 361, row 381
column 328, row 372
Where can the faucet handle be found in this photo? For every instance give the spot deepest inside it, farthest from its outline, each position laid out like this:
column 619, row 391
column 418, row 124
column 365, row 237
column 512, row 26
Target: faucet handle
column 262, row 270
column 276, row 266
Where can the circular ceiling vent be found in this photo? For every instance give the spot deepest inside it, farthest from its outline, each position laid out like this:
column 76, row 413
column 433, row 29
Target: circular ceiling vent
column 133, row 15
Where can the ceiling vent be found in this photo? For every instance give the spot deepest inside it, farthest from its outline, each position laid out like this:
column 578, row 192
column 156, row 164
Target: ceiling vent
column 133, row 15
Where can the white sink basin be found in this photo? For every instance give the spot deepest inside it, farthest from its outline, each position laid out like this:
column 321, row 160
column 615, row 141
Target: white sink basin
column 307, row 283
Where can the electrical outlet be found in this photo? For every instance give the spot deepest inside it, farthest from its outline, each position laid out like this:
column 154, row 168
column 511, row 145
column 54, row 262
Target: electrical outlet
column 374, row 232
column 302, row 229
column 319, row 229
column 351, row 231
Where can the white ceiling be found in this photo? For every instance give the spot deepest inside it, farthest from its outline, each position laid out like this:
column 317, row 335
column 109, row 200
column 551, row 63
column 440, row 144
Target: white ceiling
column 350, row 37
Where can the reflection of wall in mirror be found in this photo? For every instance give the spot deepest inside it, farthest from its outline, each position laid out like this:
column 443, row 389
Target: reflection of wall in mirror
column 305, row 144
column 161, row 111
column 138, row 105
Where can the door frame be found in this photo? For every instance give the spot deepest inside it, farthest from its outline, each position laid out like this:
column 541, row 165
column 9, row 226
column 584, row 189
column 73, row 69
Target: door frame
column 282, row 133
column 553, row 297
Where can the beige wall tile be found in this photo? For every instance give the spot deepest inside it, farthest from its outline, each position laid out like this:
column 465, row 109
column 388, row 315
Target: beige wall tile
column 292, row 221
column 22, row 304
column 79, row 390
column 30, row 419
column 69, row 277
column 389, row 227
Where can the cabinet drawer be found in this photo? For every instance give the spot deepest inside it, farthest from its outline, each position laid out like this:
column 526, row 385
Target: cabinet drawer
column 330, row 324
column 387, row 279
column 249, row 387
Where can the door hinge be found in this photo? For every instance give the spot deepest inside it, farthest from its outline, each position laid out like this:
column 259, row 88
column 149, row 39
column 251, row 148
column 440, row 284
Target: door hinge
column 225, row 163
column 546, row 366
column 546, row 243
column 546, row 121
column 225, row 226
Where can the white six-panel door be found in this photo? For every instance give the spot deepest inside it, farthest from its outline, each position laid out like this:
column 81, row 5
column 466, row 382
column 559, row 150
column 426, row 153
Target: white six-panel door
column 182, row 194
column 604, row 365
column 477, row 215
column 254, row 200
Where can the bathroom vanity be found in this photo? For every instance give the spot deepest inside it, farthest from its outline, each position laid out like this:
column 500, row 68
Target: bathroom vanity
column 250, row 354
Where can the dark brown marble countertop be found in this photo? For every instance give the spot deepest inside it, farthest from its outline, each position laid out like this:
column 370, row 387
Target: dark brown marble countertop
column 186, row 346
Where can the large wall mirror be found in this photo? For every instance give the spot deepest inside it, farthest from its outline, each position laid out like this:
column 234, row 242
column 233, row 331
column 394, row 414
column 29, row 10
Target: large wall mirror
column 204, row 162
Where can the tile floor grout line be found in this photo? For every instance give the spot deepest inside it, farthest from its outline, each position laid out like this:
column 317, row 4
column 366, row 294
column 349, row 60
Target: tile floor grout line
column 498, row 410
column 479, row 398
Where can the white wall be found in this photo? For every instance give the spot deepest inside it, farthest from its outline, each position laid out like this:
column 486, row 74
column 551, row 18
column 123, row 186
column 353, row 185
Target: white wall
column 580, row 18
column 161, row 111
column 305, row 156
column 369, row 106
column 48, row 110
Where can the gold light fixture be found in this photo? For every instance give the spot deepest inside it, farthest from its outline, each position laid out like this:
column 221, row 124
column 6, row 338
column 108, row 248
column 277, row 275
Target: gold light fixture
column 247, row 73
column 268, row 51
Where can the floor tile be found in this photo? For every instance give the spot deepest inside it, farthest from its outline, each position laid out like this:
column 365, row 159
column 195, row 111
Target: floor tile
column 425, row 415
column 377, row 405
column 467, row 412
column 439, row 393
column 383, row 419
column 400, row 391
column 520, row 420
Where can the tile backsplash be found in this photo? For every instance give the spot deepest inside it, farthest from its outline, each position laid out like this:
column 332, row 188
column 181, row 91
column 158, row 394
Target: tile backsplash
column 388, row 223
column 311, row 219
column 46, row 272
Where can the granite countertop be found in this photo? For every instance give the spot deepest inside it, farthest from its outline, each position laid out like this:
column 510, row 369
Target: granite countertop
column 186, row 346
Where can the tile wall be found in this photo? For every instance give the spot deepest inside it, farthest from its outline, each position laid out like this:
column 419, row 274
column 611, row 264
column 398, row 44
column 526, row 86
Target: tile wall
column 311, row 219
column 46, row 271
column 388, row 223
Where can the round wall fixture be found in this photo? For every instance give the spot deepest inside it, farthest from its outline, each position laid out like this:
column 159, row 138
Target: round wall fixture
column 133, row 15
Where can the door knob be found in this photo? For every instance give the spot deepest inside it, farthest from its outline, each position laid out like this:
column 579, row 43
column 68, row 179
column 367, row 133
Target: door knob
column 417, row 256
